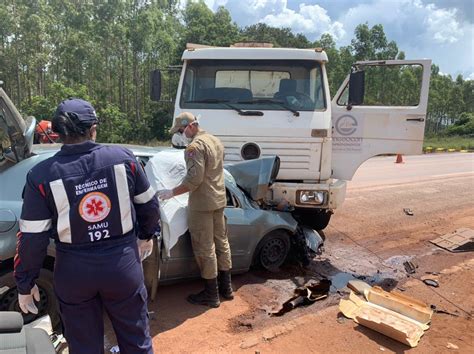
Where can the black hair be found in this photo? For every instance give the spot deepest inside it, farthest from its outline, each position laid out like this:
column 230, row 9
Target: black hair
column 67, row 125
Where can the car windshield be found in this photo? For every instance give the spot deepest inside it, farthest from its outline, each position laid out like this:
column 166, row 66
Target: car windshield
column 5, row 129
column 291, row 85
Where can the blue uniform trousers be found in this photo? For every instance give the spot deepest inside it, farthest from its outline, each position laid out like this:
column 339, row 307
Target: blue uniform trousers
column 106, row 276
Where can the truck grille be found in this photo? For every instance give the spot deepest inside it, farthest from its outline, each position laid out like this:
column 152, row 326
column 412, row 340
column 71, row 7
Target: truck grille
column 298, row 159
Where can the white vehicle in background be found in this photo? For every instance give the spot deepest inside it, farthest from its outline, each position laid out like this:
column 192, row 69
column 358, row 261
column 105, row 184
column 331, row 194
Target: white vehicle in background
column 263, row 101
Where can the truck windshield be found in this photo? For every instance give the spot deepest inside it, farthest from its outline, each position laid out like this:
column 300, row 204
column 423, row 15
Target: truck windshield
column 291, row 85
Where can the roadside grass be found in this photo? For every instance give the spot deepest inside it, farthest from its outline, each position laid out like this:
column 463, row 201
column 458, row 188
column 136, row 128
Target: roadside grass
column 448, row 142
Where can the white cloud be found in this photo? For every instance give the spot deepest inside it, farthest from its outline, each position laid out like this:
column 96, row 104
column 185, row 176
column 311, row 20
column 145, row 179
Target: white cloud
column 420, row 28
column 312, row 20
column 409, row 20
column 442, row 24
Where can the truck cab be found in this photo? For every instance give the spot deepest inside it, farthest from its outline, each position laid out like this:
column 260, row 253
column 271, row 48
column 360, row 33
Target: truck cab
column 263, row 101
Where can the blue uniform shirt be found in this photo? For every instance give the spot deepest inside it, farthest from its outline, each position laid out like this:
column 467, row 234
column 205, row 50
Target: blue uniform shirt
column 84, row 195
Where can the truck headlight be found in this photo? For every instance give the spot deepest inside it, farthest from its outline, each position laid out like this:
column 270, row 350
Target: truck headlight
column 311, row 197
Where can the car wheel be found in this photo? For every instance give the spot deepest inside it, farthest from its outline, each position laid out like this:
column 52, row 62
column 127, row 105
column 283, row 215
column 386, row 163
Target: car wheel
column 314, row 219
column 272, row 250
column 48, row 303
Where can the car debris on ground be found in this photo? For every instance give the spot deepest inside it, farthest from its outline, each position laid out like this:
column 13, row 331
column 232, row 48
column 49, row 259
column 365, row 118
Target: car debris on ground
column 408, row 211
column 443, row 312
column 452, row 346
column 461, row 240
column 305, row 295
column 410, row 267
column 393, row 314
column 431, row 282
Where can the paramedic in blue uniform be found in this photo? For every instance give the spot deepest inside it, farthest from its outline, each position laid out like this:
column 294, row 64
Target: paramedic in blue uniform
column 97, row 204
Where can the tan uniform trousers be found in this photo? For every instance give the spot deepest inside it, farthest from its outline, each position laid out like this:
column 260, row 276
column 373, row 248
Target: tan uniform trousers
column 210, row 243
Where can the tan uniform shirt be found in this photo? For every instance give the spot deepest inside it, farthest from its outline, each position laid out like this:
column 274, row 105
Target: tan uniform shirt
column 205, row 173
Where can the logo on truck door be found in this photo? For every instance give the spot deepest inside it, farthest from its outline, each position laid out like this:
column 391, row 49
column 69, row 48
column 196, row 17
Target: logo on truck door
column 346, row 125
column 347, row 134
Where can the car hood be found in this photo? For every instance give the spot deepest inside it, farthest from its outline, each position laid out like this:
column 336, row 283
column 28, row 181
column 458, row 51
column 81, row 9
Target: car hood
column 19, row 131
column 255, row 176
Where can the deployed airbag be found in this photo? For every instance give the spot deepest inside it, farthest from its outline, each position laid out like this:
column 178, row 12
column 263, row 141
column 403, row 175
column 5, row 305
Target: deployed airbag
column 166, row 170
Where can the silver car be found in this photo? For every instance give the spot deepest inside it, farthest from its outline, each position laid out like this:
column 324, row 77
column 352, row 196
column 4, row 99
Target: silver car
column 259, row 235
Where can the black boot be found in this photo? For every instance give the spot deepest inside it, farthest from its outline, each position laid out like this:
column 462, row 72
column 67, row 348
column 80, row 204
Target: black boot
column 208, row 297
column 225, row 285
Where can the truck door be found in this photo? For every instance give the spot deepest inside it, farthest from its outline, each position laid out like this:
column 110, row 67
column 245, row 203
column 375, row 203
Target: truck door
column 389, row 119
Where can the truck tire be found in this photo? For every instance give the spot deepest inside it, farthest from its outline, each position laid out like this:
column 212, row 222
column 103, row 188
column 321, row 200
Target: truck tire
column 272, row 250
column 316, row 219
column 48, row 303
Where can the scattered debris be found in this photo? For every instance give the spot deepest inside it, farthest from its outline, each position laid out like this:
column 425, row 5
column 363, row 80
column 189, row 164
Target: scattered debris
column 452, row 346
column 443, row 312
column 340, row 318
column 305, row 295
column 358, row 286
column 432, row 273
column 408, row 211
column 410, row 268
column 461, row 240
column 249, row 342
column 401, row 289
column 431, row 282
column 393, row 314
column 396, row 262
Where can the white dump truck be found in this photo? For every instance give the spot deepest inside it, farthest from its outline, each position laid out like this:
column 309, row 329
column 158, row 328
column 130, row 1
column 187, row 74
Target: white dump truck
column 263, row 101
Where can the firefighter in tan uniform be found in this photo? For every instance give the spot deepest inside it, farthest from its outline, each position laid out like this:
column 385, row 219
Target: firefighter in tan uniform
column 204, row 180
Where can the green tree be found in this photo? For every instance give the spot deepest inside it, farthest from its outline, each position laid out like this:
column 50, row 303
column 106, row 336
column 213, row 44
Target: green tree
column 205, row 27
column 279, row 37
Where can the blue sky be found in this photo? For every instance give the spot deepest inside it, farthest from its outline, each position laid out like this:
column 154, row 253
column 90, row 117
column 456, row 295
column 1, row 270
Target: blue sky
column 442, row 30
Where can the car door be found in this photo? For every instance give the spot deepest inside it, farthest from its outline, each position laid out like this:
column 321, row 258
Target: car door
column 390, row 118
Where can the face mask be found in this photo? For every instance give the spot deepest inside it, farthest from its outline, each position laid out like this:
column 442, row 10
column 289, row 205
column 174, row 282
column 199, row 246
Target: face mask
column 179, row 139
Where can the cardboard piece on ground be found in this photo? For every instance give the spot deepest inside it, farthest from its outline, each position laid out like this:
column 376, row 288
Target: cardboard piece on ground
column 393, row 314
column 401, row 304
column 462, row 240
column 358, row 286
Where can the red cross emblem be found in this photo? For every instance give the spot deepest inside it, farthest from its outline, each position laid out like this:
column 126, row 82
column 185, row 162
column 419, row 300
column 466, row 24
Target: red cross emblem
column 94, row 207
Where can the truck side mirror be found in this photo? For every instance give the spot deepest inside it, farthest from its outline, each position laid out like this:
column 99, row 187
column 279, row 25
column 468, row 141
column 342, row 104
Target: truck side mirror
column 356, row 88
column 155, row 87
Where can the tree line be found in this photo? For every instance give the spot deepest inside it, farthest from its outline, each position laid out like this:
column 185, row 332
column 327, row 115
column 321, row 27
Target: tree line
column 104, row 51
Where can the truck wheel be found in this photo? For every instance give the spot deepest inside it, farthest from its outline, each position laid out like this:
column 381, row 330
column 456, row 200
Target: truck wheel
column 48, row 303
column 313, row 218
column 272, row 250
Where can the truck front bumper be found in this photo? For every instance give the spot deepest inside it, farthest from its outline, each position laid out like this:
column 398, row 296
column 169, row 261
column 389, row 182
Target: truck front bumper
column 333, row 193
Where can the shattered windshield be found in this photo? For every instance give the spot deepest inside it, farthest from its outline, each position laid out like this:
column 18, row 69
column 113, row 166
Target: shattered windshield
column 291, row 85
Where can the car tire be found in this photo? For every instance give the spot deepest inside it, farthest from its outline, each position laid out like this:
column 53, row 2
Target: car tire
column 314, row 219
column 272, row 250
column 48, row 302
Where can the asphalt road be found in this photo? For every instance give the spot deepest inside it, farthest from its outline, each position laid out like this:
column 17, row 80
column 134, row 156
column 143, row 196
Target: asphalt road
column 381, row 171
